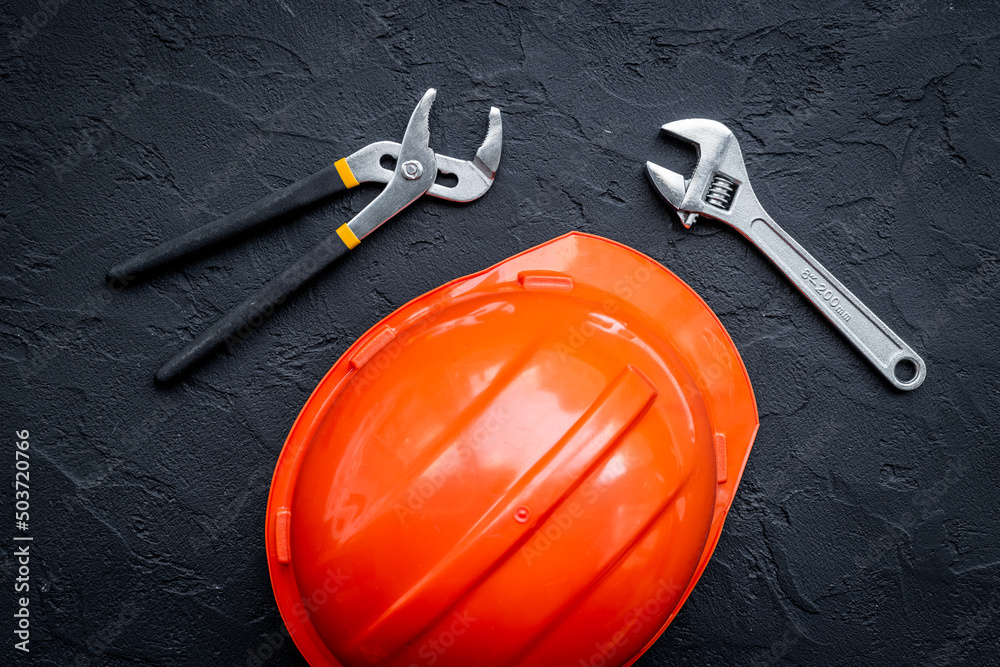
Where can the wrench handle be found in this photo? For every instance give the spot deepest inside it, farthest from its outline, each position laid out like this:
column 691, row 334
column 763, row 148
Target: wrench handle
column 871, row 336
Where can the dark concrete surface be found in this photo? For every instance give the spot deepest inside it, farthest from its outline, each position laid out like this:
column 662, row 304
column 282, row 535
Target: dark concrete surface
column 866, row 527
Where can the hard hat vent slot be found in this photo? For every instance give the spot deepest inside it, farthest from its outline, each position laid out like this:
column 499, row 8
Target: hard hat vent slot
column 371, row 347
column 549, row 281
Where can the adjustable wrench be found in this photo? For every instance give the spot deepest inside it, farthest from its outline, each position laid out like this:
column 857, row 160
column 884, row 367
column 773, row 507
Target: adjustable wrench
column 719, row 189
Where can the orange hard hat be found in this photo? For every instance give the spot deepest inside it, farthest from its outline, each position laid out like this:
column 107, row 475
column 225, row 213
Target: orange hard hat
column 526, row 466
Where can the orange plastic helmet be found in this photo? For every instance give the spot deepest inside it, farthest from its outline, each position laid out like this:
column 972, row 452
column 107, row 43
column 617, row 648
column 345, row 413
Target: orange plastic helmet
column 527, row 466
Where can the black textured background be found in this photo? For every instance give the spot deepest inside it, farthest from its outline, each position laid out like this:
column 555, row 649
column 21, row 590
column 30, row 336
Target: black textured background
column 865, row 530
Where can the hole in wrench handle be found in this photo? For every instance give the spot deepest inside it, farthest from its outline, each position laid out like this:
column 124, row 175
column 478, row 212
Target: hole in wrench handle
column 870, row 335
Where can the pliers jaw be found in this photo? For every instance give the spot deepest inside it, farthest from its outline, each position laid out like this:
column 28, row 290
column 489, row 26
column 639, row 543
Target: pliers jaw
column 474, row 176
column 417, row 167
column 488, row 156
column 719, row 184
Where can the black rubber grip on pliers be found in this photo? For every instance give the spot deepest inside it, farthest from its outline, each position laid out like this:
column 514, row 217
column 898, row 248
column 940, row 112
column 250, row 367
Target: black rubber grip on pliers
column 251, row 313
column 306, row 191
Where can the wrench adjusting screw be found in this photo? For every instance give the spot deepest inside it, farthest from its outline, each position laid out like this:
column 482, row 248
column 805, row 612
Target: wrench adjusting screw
column 721, row 192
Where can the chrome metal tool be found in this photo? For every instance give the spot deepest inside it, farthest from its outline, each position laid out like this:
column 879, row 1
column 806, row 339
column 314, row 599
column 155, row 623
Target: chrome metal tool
column 417, row 168
column 720, row 189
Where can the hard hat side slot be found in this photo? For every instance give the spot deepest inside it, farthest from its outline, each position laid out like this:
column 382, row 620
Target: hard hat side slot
column 282, row 536
column 721, row 461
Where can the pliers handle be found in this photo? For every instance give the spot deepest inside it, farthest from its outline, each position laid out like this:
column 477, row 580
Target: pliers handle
column 417, row 167
column 334, row 179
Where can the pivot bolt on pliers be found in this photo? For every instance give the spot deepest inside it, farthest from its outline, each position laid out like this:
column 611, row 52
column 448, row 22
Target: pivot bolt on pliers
column 720, row 189
column 417, row 168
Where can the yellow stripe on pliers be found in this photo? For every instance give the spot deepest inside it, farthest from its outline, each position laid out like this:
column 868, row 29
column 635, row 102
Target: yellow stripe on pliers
column 346, row 175
column 348, row 237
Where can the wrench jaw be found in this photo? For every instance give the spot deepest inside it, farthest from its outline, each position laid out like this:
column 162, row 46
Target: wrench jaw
column 719, row 184
column 673, row 188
